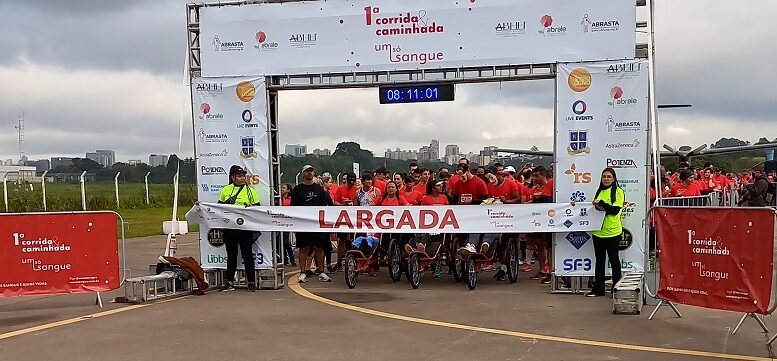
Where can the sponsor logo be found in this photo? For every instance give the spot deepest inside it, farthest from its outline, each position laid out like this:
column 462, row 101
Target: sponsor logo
column 247, row 117
column 240, row 221
column 627, row 182
column 494, row 214
column 618, row 100
column 621, row 163
column 245, row 91
column 536, row 223
column 579, row 107
column 613, row 126
column 578, row 142
column 552, row 213
column 578, row 239
column 583, row 212
column 578, row 196
column 212, row 188
column 568, row 223
column 552, row 223
column 598, row 26
column 262, row 44
column 634, row 144
column 223, row 153
column 578, row 177
column 577, row 264
column 247, row 148
column 210, row 88
column 579, row 80
column 401, row 24
column 546, row 21
column 211, row 138
column 205, row 170
column 624, row 68
column 207, row 114
column 627, row 210
column 216, row 237
column 533, row 213
column 568, row 213
column 626, row 240
column 510, row 29
column 302, row 41
column 219, row 45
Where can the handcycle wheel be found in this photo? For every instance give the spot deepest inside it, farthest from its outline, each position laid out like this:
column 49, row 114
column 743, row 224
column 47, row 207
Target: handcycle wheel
column 512, row 261
column 456, row 262
column 395, row 261
column 351, row 275
column 414, row 268
column 471, row 273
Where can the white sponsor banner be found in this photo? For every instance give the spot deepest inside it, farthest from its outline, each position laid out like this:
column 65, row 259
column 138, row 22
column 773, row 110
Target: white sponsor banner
column 602, row 121
column 527, row 218
column 230, row 126
column 382, row 35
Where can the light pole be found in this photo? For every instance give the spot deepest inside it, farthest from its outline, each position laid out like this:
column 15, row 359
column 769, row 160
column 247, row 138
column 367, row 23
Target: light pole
column 146, row 181
column 5, row 190
column 116, row 185
column 296, row 179
column 83, row 191
column 43, row 189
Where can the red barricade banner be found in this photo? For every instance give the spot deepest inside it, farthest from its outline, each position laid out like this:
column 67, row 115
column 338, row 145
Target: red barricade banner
column 58, row 253
column 716, row 258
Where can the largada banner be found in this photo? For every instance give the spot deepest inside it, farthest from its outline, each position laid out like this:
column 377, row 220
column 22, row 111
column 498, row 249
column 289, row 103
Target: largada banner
column 45, row 254
column 230, row 126
column 523, row 218
column 716, row 258
column 602, row 121
column 384, row 35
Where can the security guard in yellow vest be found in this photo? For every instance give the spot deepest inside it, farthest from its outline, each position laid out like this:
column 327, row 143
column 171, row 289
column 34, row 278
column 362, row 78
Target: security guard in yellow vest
column 239, row 192
column 609, row 198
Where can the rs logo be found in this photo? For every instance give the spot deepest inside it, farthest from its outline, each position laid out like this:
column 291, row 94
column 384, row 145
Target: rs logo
column 579, row 177
column 577, row 264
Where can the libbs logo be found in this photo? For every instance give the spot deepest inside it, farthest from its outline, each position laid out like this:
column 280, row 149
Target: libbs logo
column 212, row 170
column 618, row 100
column 547, row 26
column 401, row 24
column 262, row 43
column 207, row 115
column 621, row 163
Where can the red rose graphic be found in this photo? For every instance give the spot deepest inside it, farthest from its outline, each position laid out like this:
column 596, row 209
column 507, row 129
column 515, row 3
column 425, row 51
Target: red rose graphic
column 261, row 37
column 616, row 92
column 205, row 108
column 546, row 21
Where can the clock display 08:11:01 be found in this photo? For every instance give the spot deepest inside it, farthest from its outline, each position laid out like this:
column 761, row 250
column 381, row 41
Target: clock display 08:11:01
column 416, row 94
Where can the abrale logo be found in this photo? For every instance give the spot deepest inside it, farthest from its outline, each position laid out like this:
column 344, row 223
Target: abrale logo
column 578, row 239
column 262, row 43
column 207, row 115
column 546, row 22
column 618, row 100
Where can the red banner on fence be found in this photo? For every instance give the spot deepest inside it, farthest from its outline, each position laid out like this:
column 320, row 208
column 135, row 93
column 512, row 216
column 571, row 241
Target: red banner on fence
column 716, row 258
column 58, row 253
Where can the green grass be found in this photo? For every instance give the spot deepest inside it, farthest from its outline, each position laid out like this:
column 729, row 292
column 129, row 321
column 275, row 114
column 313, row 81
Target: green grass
column 148, row 221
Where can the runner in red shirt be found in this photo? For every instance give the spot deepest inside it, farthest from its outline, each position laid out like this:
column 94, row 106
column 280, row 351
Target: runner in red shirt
column 505, row 189
column 392, row 197
column 470, row 189
column 329, row 185
column 381, row 177
column 686, row 187
column 425, row 176
column 455, row 179
column 543, row 193
column 413, row 197
column 437, row 197
column 346, row 194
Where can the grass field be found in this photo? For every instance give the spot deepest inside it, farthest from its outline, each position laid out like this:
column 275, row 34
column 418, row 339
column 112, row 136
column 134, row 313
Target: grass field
column 142, row 219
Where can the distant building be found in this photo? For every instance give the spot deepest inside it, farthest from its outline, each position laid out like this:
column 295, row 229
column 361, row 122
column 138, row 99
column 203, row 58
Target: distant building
column 61, row 162
column 400, row 154
column 489, row 151
column 296, row 150
column 322, row 152
column 134, row 161
column 40, row 165
column 155, row 160
column 452, row 149
column 452, row 159
column 105, row 158
column 434, row 148
column 7, row 162
column 17, row 173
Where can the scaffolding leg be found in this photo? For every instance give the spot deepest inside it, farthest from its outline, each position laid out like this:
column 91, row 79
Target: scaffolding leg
column 661, row 303
column 98, row 301
column 757, row 319
column 771, row 340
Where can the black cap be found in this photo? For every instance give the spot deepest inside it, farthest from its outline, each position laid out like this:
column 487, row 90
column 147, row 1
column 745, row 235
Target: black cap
column 236, row 169
column 381, row 170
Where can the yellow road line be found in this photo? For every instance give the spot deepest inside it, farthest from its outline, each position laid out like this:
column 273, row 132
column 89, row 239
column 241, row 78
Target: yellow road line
column 294, row 285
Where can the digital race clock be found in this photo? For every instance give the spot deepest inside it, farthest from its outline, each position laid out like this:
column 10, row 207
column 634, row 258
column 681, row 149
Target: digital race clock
column 416, row 93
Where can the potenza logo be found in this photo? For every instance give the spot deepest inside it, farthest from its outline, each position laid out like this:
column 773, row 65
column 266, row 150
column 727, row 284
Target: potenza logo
column 262, row 44
column 621, row 163
column 510, row 29
column 247, row 150
column 302, row 41
column 634, row 144
column 614, row 126
column 598, row 26
column 206, row 137
column 207, row 114
column 578, row 142
column 579, row 107
column 205, row 170
column 223, row 153
column 219, row 45
column 546, row 21
column 618, row 100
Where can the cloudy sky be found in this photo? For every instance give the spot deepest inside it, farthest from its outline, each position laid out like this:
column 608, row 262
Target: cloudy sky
column 107, row 74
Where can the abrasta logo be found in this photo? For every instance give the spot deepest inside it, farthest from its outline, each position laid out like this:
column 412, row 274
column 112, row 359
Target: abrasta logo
column 579, row 107
column 206, row 137
column 262, row 44
column 401, row 24
column 207, row 115
column 598, row 26
column 548, row 29
column 223, row 153
column 205, row 170
column 302, row 41
column 510, row 29
column 621, row 163
column 618, row 100
column 579, row 80
column 613, row 126
column 634, row 144
column 219, row 45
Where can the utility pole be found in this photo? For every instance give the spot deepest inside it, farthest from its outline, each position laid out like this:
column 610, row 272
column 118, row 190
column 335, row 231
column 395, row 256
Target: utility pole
column 20, row 127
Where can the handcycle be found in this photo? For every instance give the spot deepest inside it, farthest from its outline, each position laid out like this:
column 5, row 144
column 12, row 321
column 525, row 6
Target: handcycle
column 472, row 263
column 386, row 253
column 419, row 261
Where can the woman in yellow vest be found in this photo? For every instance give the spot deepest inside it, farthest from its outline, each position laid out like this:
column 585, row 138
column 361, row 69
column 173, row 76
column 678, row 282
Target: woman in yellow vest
column 239, row 192
column 609, row 199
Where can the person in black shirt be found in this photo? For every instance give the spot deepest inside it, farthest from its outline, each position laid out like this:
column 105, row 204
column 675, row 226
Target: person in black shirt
column 311, row 194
